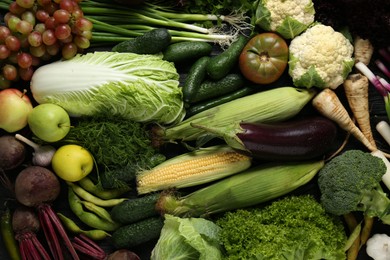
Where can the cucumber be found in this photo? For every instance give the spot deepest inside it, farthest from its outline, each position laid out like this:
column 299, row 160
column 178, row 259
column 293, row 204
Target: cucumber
column 199, row 107
column 220, row 65
column 215, row 88
column 134, row 210
column 151, row 42
column 184, row 51
column 137, row 233
column 194, row 79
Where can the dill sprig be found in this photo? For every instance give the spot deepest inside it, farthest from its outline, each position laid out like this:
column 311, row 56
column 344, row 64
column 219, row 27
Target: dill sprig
column 120, row 147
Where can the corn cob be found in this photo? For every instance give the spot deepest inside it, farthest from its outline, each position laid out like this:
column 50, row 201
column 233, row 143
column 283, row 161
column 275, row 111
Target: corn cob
column 248, row 188
column 272, row 105
column 193, row 168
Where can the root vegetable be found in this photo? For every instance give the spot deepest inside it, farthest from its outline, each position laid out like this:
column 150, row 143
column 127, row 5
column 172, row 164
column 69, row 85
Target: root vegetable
column 42, row 154
column 363, row 50
column 356, row 91
column 37, row 187
column 123, row 254
column 26, row 224
column 12, row 152
column 329, row 105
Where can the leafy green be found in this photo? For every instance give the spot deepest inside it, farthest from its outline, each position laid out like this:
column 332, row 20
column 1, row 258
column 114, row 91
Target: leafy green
column 120, row 147
column 142, row 88
column 188, row 238
column 294, row 227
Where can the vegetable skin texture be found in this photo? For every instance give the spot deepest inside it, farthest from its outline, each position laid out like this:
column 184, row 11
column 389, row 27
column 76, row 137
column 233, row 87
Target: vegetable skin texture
column 143, row 88
column 250, row 187
column 329, row 105
column 294, row 227
column 287, row 18
column 351, row 182
column 320, row 57
column 134, row 234
column 299, row 139
column 264, row 58
column 197, row 167
column 271, row 105
column 356, row 90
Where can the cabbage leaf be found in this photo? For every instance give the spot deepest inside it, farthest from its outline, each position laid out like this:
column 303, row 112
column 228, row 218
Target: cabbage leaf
column 187, row 239
column 143, row 88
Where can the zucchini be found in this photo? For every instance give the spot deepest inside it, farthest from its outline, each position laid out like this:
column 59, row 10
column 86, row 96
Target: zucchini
column 215, row 88
column 134, row 210
column 137, row 233
column 220, row 65
column 194, row 79
column 150, row 42
column 184, row 51
column 199, row 107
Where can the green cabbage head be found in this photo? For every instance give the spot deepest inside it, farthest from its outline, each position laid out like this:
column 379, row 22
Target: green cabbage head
column 143, row 88
column 188, row 239
column 287, row 17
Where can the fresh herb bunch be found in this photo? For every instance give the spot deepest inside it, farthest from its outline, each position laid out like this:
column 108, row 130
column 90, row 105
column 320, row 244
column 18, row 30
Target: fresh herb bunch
column 120, row 147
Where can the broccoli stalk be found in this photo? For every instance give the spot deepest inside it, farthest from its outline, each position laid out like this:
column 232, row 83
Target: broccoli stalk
column 352, row 182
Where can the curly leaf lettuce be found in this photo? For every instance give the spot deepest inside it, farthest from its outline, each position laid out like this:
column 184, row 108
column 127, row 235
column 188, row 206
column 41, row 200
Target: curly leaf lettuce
column 187, row 238
column 142, row 88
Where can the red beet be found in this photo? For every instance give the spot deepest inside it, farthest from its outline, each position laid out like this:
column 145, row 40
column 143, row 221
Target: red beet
column 37, row 187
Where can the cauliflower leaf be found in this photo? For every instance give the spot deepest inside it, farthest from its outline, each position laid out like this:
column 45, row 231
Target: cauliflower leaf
column 287, row 17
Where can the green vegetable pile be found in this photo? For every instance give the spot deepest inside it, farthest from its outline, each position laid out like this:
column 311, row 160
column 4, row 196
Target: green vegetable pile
column 294, row 227
column 120, row 147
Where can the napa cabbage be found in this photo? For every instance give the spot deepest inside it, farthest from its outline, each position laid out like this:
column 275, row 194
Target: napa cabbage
column 143, row 88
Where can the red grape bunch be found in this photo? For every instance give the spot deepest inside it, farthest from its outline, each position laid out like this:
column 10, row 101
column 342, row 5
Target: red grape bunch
column 39, row 30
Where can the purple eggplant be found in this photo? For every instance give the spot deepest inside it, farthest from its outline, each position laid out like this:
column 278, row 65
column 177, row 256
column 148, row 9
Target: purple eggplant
column 299, row 139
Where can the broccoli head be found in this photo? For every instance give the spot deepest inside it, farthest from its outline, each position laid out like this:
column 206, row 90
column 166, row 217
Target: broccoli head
column 293, row 227
column 352, row 182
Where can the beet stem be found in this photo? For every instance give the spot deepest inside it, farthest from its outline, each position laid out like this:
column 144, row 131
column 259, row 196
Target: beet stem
column 89, row 251
column 49, row 232
column 57, row 223
column 40, row 248
column 91, row 243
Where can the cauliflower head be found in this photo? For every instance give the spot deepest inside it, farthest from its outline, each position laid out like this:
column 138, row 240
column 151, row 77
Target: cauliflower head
column 320, row 57
column 287, row 17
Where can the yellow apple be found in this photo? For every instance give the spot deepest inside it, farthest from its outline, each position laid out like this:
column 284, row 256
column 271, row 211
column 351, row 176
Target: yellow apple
column 72, row 162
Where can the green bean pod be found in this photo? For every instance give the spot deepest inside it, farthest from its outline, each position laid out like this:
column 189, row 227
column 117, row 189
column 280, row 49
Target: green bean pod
column 71, row 226
column 89, row 218
column 88, row 185
column 100, row 211
column 85, row 195
column 8, row 235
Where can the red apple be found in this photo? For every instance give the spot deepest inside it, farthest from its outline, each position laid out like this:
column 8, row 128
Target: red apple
column 15, row 106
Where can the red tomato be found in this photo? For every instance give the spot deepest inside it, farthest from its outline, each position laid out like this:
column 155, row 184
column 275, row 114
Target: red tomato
column 264, row 58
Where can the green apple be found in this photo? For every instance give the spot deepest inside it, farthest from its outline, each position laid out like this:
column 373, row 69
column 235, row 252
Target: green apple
column 49, row 122
column 72, row 162
column 15, row 106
